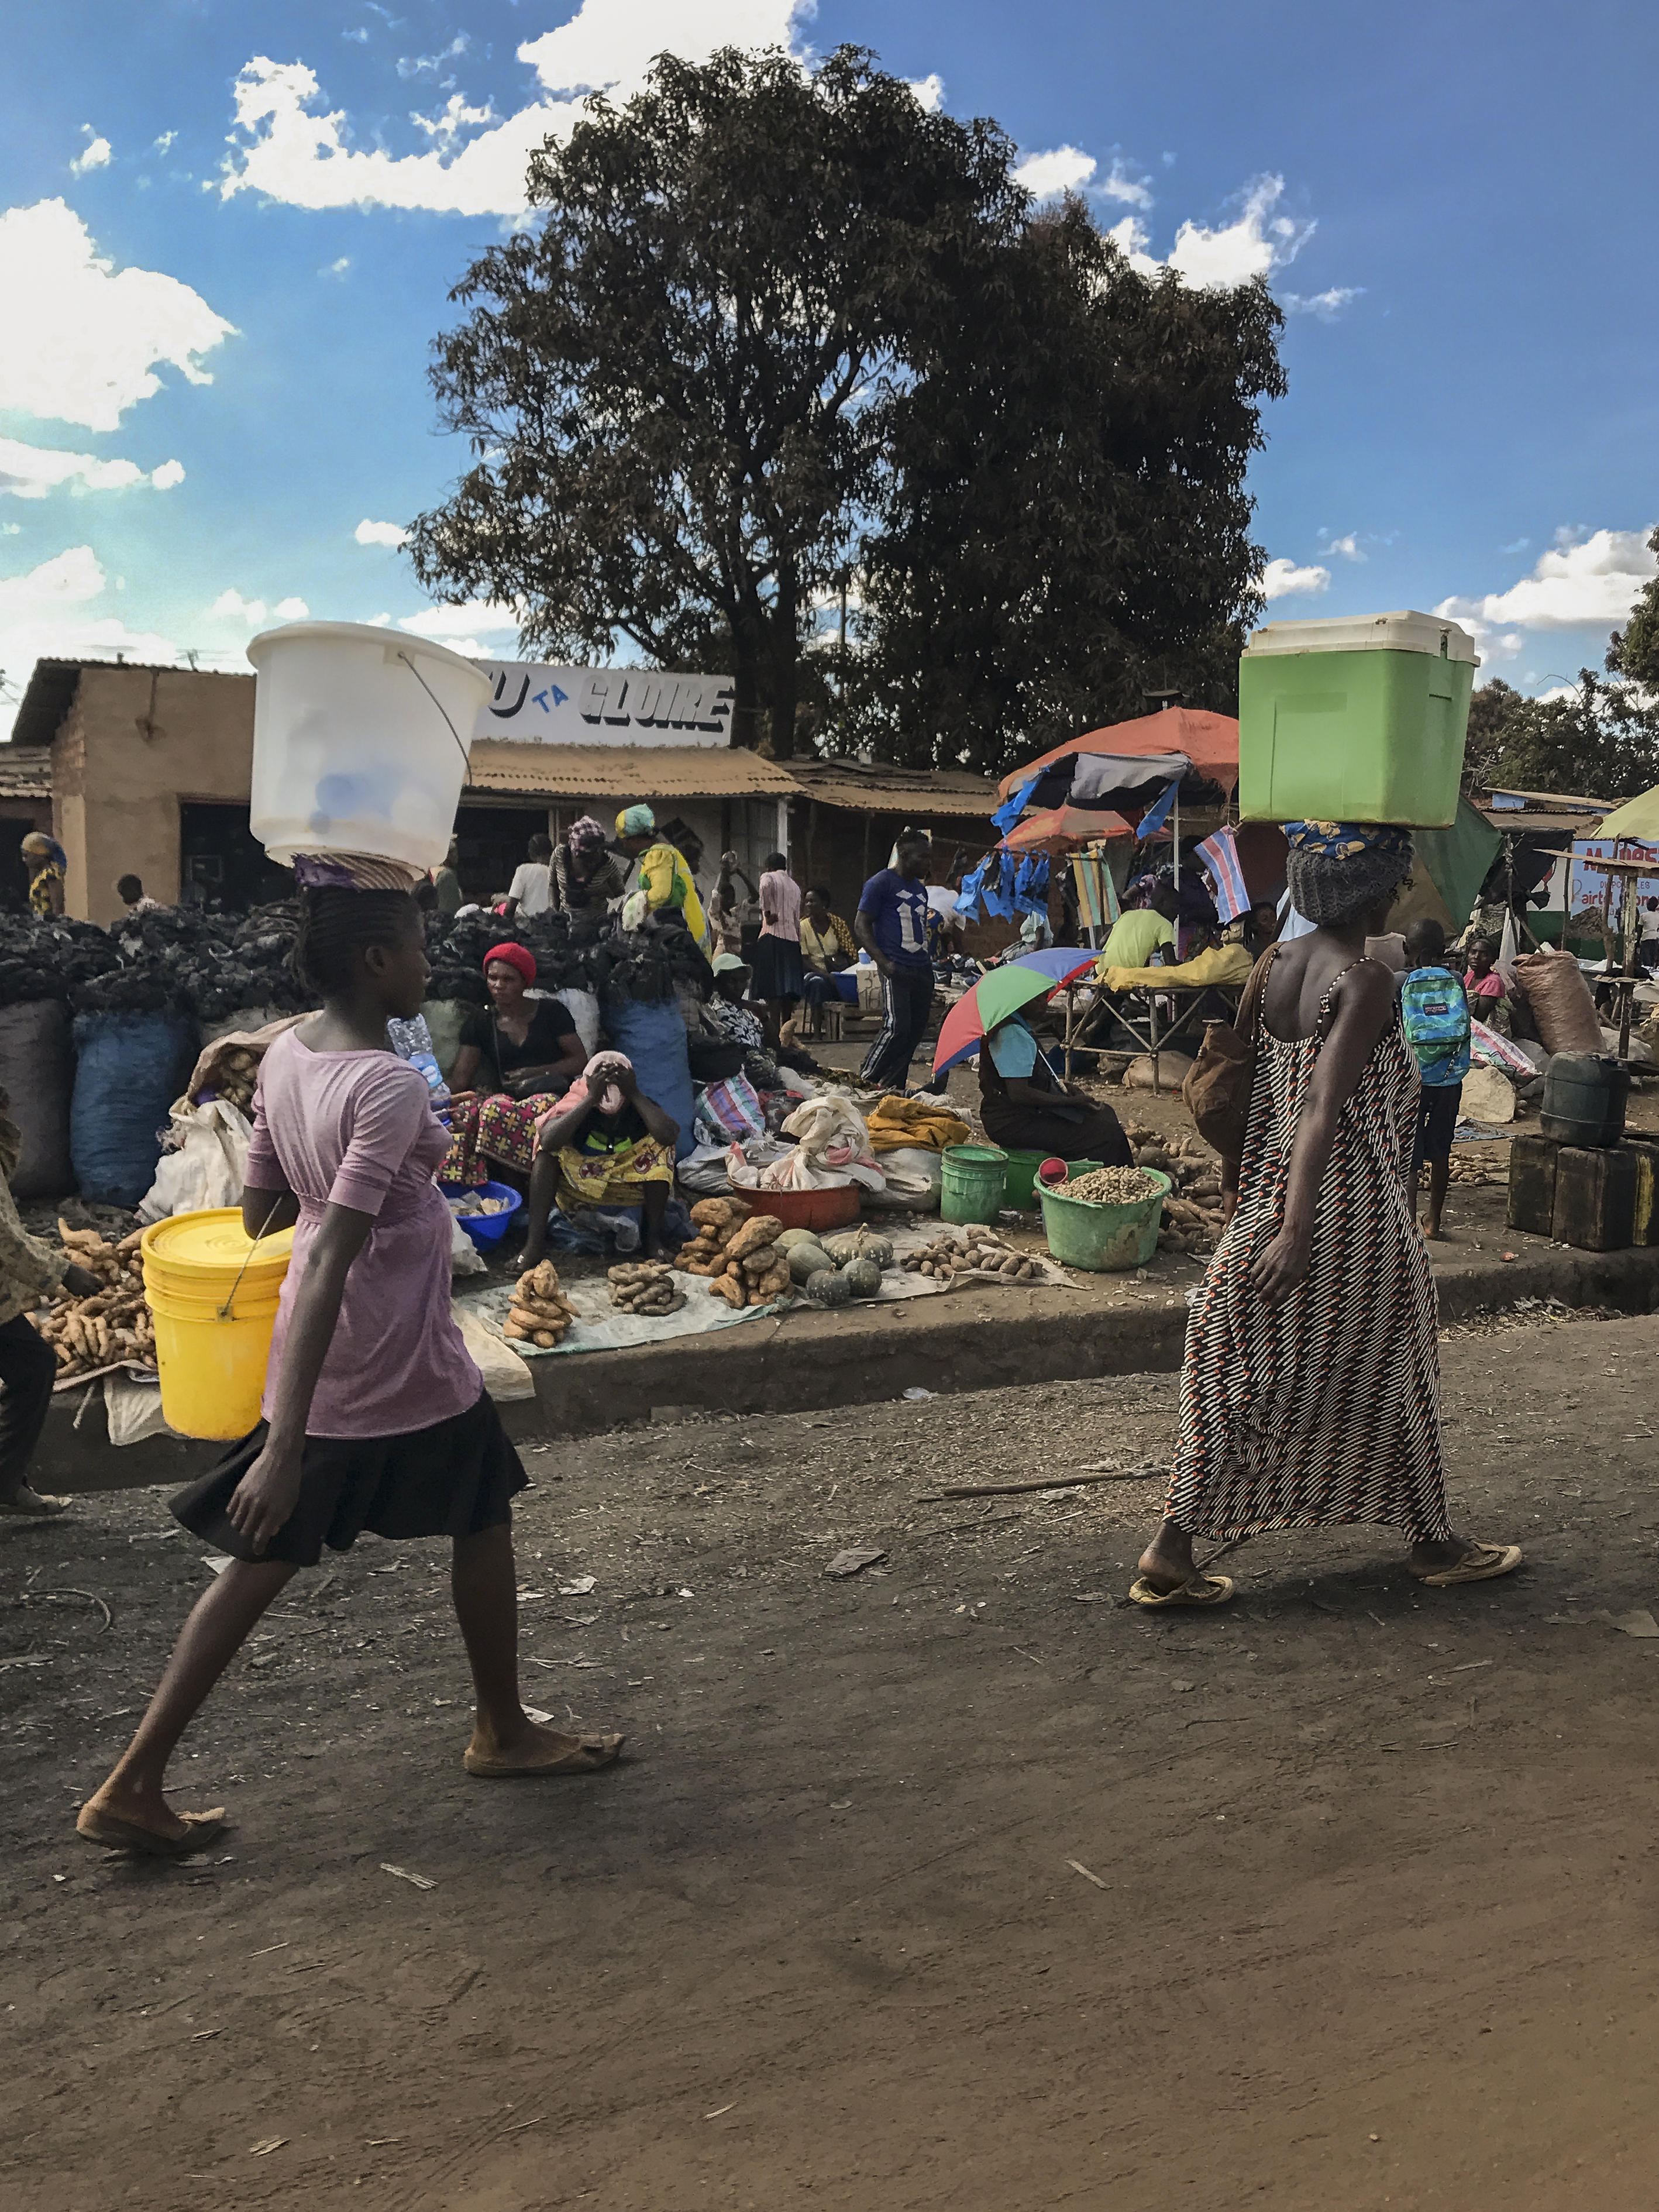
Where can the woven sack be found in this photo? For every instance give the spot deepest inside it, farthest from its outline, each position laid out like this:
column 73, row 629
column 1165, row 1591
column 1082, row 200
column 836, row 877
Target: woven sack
column 1560, row 1001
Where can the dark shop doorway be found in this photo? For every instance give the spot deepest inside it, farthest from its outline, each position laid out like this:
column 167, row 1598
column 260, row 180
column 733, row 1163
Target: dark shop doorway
column 220, row 859
column 494, row 841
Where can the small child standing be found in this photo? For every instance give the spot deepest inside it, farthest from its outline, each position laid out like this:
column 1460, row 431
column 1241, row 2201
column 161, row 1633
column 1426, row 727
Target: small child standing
column 1435, row 1008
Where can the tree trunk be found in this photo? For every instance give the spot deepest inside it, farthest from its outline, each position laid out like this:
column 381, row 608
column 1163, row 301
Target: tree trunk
column 746, row 724
column 783, row 670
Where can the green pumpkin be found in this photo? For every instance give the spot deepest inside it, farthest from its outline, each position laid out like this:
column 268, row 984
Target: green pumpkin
column 791, row 1237
column 860, row 1244
column 862, row 1276
column 807, row 1260
column 827, row 1288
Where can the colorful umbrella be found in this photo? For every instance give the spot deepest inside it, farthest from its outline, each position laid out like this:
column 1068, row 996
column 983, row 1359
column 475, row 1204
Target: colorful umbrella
column 1002, row 993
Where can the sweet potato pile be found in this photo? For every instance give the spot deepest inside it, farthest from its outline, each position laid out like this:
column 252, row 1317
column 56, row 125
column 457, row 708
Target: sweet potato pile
column 113, row 1330
column 540, row 1312
column 737, row 1250
column 645, row 1287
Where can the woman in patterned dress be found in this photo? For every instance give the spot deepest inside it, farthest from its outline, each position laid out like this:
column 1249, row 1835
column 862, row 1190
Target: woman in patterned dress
column 1310, row 1393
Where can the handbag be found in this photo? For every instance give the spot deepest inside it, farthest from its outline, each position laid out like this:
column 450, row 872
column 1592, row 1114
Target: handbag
column 1217, row 1090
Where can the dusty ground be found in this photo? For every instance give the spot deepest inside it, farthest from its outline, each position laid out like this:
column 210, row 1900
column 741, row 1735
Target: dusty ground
column 1374, row 1897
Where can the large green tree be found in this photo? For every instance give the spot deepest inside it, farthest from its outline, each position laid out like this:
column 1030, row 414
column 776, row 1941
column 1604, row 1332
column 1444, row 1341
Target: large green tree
column 678, row 378
column 1600, row 741
column 1633, row 653
column 1064, row 524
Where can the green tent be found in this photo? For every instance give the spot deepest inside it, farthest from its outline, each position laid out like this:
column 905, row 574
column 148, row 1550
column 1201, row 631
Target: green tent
column 1451, row 866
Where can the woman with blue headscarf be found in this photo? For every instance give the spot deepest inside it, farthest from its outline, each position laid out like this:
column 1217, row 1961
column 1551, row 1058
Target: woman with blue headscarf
column 1310, row 1392
column 48, row 866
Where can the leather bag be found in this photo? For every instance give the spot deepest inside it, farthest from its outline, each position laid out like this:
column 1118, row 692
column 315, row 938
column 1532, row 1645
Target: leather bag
column 1217, row 1091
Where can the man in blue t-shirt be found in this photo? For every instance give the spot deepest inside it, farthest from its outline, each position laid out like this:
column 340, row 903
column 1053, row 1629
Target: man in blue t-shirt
column 892, row 925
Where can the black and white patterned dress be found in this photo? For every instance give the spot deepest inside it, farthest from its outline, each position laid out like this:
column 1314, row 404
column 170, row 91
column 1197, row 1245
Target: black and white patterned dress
column 1327, row 1409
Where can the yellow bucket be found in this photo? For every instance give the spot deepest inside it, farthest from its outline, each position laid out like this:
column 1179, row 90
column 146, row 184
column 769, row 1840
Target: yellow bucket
column 213, row 1290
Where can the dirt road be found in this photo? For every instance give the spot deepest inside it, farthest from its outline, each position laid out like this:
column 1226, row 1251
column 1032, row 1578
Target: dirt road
column 1369, row 1917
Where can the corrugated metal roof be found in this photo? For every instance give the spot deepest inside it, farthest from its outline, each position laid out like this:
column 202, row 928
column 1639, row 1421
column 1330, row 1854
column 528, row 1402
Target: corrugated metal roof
column 1582, row 823
column 883, row 789
column 1564, row 799
column 628, row 772
column 26, row 775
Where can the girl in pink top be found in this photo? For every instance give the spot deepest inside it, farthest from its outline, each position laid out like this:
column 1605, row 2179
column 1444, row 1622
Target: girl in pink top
column 375, row 1415
column 779, row 979
column 1481, row 981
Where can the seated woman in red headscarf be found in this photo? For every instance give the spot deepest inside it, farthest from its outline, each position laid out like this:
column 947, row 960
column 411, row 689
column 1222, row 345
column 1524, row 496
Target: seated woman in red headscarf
column 534, row 1049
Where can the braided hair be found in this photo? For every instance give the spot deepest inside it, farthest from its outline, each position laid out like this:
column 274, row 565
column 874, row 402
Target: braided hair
column 336, row 925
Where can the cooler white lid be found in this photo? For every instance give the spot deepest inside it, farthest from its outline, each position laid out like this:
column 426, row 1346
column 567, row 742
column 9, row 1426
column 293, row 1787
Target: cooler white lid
column 1403, row 631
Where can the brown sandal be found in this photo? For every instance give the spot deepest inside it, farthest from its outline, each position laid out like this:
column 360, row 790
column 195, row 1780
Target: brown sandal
column 592, row 1753
column 111, row 1832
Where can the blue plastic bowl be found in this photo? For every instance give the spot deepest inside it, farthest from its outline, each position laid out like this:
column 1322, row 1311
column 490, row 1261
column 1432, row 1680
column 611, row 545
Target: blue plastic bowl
column 485, row 1229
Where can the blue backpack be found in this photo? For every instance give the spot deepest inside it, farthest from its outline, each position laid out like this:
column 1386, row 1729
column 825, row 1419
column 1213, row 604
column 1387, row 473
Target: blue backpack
column 1436, row 1013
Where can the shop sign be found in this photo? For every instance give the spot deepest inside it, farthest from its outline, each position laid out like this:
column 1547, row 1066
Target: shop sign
column 530, row 703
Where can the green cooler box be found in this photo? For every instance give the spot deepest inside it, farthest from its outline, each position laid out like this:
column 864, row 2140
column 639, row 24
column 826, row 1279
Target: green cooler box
column 1358, row 719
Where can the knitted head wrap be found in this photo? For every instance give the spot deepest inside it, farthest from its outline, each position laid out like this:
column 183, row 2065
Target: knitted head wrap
column 1338, row 870
column 636, row 821
column 516, row 956
column 585, row 835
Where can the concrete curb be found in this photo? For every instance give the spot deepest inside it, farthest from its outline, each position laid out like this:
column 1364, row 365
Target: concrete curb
column 815, row 1362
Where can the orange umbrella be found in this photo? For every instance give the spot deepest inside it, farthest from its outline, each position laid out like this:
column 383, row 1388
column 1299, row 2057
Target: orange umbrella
column 1057, row 829
column 1209, row 741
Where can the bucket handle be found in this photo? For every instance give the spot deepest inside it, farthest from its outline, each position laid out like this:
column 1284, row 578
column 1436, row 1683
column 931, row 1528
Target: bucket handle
column 401, row 655
column 224, row 1312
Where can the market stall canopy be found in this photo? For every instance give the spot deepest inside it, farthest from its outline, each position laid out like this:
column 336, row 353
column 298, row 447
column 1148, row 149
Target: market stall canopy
column 1636, row 818
column 1057, row 829
column 1208, row 743
column 1000, row 992
column 1451, row 866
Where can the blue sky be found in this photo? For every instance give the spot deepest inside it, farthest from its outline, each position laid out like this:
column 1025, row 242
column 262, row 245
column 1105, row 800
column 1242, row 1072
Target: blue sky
column 227, row 232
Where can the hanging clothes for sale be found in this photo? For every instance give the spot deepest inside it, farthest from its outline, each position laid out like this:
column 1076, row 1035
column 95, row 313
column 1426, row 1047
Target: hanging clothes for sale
column 1097, row 903
column 1219, row 854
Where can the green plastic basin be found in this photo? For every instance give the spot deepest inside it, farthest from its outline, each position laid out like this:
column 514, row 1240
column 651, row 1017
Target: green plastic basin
column 1102, row 1239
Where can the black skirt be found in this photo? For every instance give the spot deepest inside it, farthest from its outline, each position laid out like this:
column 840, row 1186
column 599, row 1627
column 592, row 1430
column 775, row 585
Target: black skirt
column 778, row 970
column 454, row 1479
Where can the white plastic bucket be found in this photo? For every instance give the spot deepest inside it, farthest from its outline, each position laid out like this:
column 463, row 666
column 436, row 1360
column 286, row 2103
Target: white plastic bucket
column 360, row 738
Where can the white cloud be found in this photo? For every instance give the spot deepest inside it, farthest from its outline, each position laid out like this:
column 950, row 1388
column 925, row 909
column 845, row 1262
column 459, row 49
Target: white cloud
column 337, row 268
column 929, row 91
column 437, row 623
column 1118, row 185
column 453, row 119
column 31, row 472
column 1283, row 579
column 79, row 341
column 164, row 144
column 1581, row 583
column 430, row 64
column 1348, row 547
column 1063, row 169
column 45, row 613
column 231, row 606
column 379, row 533
column 95, row 154
column 1326, row 304
column 1259, row 243
column 291, row 153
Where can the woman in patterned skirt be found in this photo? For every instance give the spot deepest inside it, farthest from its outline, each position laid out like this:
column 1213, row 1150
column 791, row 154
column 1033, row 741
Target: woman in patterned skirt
column 1310, row 1393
